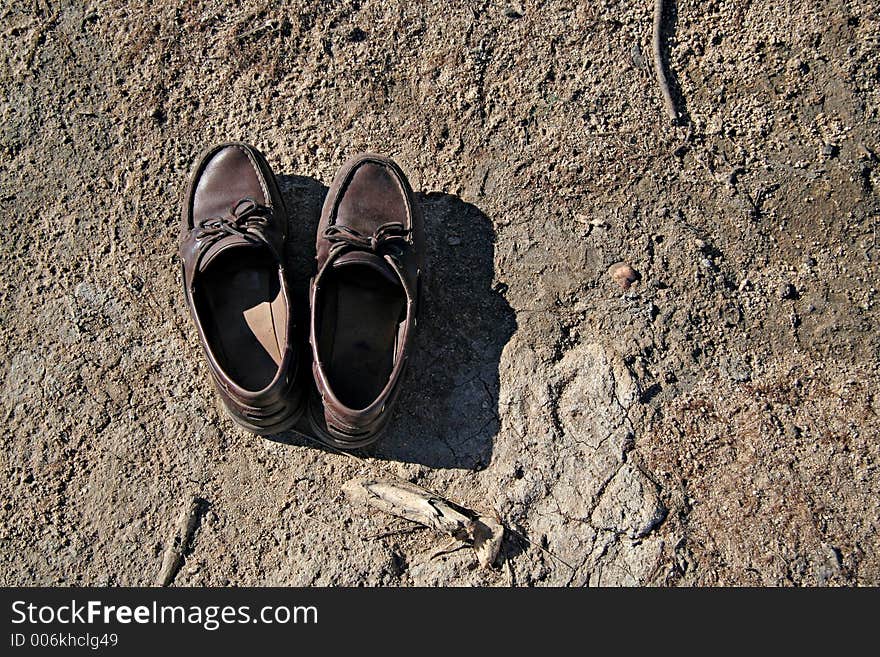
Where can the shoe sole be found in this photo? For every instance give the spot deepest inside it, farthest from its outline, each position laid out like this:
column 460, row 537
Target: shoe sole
column 329, row 439
column 283, row 425
column 288, row 423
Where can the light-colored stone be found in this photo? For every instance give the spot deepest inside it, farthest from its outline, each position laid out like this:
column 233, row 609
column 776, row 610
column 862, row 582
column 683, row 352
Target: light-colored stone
column 630, row 504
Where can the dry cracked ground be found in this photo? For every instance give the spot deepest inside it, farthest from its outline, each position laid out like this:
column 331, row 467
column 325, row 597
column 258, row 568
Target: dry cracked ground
column 715, row 423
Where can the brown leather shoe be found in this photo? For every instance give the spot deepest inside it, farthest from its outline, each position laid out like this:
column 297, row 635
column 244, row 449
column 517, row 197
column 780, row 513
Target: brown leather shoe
column 364, row 299
column 232, row 245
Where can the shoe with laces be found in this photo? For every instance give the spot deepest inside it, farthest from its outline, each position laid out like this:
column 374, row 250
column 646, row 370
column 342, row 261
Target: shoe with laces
column 364, row 299
column 233, row 231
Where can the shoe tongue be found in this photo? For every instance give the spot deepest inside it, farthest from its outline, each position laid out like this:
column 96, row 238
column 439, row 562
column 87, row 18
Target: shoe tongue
column 222, row 245
column 365, row 258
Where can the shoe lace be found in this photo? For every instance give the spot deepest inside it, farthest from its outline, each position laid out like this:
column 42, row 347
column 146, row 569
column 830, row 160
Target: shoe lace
column 392, row 234
column 244, row 217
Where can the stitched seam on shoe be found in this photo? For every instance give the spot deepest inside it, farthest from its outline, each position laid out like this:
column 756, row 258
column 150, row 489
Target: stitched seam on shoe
column 259, row 172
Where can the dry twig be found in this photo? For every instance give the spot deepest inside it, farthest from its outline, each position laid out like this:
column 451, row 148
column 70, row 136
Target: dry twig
column 405, row 500
column 659, row 68
column 426, row 491
column 179, row 541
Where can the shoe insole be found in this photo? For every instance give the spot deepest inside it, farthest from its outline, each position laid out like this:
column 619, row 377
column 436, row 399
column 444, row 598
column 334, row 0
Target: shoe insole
column 246, row 318
column 362, row 312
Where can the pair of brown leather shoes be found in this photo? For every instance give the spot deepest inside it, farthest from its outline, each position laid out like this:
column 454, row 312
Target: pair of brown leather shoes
column 364, row 297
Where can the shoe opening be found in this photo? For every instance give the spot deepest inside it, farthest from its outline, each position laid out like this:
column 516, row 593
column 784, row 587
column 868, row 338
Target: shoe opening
column 244, row 315
column 360, row 312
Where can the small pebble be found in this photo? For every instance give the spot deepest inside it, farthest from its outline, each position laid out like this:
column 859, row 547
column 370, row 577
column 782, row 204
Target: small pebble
column 787, row 291
column 453, row 240
column 623, row 275
column 514, row 10
column 635, row 54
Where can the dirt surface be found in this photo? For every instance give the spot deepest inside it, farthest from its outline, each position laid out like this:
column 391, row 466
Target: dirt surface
column 714, row 423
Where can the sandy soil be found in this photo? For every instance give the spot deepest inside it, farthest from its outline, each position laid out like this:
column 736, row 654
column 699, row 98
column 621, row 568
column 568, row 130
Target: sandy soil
column 716, row 423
